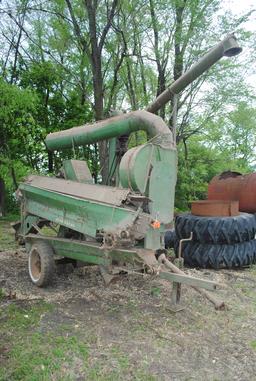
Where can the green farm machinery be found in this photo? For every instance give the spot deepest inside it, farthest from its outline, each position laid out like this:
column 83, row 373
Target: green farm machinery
column 121, row 228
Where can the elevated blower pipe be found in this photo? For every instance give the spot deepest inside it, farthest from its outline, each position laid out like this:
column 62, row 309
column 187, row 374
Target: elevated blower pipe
column 228, row 47
column 141, row 120
column 109, row 128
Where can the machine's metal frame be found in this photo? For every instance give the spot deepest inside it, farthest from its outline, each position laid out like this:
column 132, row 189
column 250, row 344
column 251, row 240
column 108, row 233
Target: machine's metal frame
column 125, row 224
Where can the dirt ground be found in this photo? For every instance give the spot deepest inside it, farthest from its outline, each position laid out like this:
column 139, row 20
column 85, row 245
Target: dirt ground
column 128, row 328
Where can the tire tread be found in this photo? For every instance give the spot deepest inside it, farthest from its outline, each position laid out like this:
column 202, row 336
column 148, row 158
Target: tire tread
column 219, row 256
column 216, row 230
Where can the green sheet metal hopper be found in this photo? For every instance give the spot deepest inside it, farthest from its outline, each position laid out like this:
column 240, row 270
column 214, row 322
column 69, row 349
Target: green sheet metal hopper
column 119, row 228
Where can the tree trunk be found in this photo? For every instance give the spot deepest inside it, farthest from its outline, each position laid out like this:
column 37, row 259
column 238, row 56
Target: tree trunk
column 161, row 85
column 14, row 180
column 2, row 198
column 178, row 62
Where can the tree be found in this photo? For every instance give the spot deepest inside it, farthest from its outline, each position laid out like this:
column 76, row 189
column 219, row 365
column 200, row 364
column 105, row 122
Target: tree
column 19, row 131
column 197, row 165
column 235, row 133
column 21, row 143
column 79, row 60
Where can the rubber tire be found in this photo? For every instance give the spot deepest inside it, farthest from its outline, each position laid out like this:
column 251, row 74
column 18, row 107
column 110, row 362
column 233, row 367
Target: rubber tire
column 170, row 238
column 46, row 256
column 218, row 256
column 217, row 230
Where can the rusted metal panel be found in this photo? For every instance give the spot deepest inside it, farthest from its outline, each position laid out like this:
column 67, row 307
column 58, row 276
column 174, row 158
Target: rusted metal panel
column 99, row 193
column 234, row 186
column 215, row 208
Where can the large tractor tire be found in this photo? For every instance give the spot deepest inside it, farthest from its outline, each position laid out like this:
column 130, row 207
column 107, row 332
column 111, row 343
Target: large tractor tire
column 170, row 239
column 41, row 263
column 218, row 256
column 217, row 230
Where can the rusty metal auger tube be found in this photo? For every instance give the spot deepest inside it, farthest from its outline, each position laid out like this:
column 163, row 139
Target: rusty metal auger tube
column 109, row 128
column 228, row 47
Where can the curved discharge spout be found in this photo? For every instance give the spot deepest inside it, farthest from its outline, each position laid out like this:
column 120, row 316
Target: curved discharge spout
column 228, row 47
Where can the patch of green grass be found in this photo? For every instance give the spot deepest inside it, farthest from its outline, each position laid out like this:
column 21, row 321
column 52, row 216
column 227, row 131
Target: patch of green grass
column 116, row 366
column 10, row 218
column 144, row 376
column 120, row 357
column 7, row 240
column 30, row 352
column 2, row 294
column 252, row 270
column 33, row 355
column 155, row 291
column 20, row 319
column 99, row 374
column 253, row 344
column 40, row 356
column 48, row 231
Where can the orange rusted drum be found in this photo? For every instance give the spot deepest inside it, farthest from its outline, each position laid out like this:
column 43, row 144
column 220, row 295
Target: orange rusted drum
column 214, row 208
column 233, row 186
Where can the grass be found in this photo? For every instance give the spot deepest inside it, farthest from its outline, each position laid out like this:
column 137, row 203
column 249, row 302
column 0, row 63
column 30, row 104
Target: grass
column 10, row 217
column 115, row 365
column 7, row 241
column 31, row 352
column 2, row 294
column 33, row 355
column 122, row 340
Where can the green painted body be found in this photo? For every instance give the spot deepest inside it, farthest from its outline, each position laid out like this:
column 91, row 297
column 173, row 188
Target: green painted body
column 50, row 199
column 154, row 168
column 83, row 216
column 151, row 170
column 90, row 253
column 77, row 170
column 107, row 129
column 94, row 254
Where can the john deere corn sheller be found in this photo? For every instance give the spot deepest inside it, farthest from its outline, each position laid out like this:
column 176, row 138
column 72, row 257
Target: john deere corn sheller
column 117, row 227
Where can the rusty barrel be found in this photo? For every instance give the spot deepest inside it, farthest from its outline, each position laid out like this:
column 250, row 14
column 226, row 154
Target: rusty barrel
column 233, row 186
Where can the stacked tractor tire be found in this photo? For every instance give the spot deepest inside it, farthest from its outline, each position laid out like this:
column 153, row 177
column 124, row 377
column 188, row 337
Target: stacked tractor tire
column 217, row 242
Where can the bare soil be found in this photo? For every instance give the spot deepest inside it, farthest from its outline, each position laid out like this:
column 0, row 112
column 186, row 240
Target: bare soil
column 131, row 321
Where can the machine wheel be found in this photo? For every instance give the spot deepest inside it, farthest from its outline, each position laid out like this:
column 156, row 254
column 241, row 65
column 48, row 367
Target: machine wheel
column 41, row 263
column 219, row 256
column 224, row 230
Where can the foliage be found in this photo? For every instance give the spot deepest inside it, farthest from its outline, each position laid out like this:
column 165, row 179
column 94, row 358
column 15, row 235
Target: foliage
column 18, row 127
column 200, row 162
column 196, row 166
column 234, row 133
column 66, row 63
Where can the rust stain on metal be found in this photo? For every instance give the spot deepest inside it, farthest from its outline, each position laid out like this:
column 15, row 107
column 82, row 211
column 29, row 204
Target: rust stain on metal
column 215, row 208
column 234, row 186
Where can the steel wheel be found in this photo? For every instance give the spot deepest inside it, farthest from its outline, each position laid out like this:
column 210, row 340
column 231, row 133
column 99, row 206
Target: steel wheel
column 41, row 264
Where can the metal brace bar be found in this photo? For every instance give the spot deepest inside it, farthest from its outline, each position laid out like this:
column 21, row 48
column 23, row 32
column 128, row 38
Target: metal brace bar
column 189, row 280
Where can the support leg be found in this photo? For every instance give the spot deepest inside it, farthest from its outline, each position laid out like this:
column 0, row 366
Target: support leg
column 176, row 288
